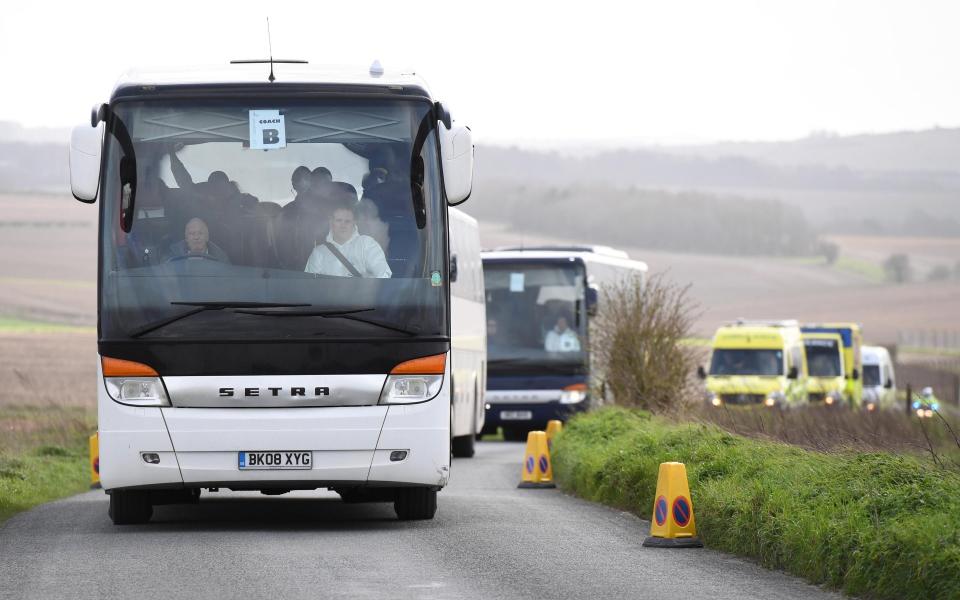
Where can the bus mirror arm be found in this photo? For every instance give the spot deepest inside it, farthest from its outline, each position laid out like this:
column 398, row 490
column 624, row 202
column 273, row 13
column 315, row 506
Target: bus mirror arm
column 793, row 373
column 889, row 384
column 855, row 375
column 701, row 372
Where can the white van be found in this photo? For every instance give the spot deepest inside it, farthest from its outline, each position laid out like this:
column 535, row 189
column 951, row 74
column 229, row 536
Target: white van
column 879, row 381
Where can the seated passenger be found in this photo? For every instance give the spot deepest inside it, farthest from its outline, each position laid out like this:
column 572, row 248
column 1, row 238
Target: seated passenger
column 345, row 252
column 561, row 338
column 196, row 243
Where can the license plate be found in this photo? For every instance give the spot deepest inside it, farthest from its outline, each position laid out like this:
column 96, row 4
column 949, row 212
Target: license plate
column 516, row 415
column 282, row 459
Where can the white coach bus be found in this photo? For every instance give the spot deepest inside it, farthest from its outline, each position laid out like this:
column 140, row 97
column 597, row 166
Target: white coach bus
column 540, row 302
column 275, row 286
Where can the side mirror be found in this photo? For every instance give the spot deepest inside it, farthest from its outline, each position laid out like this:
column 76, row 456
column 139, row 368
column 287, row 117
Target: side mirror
column 593, row 300
column 86, row 144
column 453, row 268
column 855, row 375
column 793, row 373
column 456, row 157
column 888, row 384
column 701, row 372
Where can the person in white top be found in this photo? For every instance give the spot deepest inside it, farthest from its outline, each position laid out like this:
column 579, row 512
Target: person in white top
column 359, row 255
column 561, row 338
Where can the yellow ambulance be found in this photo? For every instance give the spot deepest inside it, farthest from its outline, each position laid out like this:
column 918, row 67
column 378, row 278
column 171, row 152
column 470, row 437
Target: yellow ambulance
column 757, row 363
column 826, row 381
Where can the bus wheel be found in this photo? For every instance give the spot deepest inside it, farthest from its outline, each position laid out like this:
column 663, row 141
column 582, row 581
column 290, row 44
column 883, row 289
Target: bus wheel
column 463, row 446
column 130, row 507
column 415, row 503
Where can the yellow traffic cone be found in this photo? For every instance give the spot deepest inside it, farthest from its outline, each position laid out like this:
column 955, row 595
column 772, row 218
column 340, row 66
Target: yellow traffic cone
column 537, row 470
column 672, row 525
column 553, row 428
column 95, row 460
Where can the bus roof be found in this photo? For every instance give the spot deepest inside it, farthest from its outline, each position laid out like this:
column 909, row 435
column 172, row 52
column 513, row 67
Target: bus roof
column 257, row 73
column 561, row 253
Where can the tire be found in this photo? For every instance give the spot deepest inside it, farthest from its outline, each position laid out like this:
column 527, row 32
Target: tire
column 414, row 504
column 463, row 446
column 130, row 507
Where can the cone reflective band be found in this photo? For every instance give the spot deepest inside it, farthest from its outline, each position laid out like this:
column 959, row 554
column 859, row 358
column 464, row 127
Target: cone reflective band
column 553, row 428
column 672, row 524
column 537, row 470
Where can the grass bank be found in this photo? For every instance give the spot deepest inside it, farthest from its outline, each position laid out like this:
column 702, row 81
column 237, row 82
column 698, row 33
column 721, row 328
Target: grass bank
column 43, row 455
column 877, row 524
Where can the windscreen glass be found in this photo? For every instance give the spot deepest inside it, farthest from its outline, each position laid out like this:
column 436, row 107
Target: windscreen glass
column 272, row 218
column 746, row 362
column 823, row 358
column 535, row 314
column 871, row 375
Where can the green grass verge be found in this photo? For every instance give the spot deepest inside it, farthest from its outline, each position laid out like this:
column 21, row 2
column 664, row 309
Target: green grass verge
column 873, row 524
column 43, row 455
column 45, row 474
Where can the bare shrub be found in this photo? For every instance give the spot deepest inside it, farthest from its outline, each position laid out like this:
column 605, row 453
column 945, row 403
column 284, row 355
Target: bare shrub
column 638, row 343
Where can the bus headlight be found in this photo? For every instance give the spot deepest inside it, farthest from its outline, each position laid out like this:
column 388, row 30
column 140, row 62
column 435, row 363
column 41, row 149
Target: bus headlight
column 137, row 391
column 408, row 389
column 573, row 394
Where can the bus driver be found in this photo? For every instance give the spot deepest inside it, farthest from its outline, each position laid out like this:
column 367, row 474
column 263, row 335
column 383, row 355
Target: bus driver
column 561, row 338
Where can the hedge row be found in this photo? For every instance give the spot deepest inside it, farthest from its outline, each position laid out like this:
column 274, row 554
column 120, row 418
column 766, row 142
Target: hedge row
column 876, row 525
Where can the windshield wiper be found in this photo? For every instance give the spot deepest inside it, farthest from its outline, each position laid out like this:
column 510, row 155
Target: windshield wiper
column 304, row 313
column 199, row 307
column 346, row 313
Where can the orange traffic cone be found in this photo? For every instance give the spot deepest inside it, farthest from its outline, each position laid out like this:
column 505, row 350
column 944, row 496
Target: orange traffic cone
column 95, row 460
column 537, row 470
column 553, row 428
column 672, row 525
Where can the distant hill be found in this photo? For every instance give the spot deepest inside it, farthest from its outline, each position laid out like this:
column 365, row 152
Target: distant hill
column 905, row 183
column 930, row 150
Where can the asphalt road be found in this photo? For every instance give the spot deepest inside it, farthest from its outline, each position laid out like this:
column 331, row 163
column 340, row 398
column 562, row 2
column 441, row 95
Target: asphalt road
column 489, row 540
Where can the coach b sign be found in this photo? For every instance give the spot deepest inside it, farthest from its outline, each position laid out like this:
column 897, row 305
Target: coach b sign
column 267, row 130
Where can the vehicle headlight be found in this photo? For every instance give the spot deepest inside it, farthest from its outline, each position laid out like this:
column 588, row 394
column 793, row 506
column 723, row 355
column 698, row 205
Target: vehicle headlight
column 916, row 404
column 935, row 406
column 408, row 389
column 137, row 391
column 871, row 406
column 573, row 394
column 773, row 398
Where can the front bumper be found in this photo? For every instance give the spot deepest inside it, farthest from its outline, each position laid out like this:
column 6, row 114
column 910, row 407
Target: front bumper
column 198, row 447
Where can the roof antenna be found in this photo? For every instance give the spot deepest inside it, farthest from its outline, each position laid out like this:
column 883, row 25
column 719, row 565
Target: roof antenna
column 271, row 79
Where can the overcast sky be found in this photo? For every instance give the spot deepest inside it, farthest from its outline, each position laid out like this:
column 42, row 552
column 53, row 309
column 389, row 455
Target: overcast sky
column 535, row 72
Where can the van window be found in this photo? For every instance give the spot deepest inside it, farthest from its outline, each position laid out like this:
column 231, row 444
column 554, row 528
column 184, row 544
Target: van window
column 871, row 375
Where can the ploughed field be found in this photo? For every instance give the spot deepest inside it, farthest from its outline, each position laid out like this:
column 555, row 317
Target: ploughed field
column 758, row 287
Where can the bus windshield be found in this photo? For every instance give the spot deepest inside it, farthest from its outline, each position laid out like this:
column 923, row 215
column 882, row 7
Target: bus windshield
column 535, row 314
column 325, row 212
column 823, row 358
column 746, row 362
